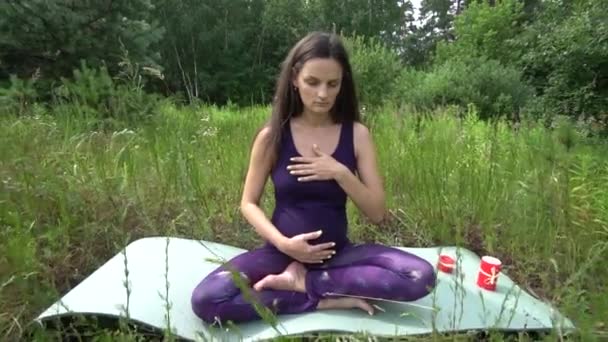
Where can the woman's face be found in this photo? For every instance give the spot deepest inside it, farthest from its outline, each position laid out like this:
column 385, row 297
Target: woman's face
column 318, row 84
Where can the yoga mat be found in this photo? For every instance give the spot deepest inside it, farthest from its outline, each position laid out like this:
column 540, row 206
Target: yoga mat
column 163, row 271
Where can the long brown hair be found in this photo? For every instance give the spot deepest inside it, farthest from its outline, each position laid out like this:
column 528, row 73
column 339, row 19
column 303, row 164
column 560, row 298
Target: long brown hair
column 287, row 102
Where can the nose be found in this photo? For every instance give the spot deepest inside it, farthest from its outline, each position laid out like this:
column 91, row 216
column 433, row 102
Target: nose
column 322, row 93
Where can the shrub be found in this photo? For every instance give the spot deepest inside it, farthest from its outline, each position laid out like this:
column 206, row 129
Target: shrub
column 93, row 93
column 566, row 60
column 494, row 89
column 375, row 68
column 18, row 96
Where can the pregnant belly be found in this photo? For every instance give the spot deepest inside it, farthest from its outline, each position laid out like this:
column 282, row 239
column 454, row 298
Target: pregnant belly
column 332, row 221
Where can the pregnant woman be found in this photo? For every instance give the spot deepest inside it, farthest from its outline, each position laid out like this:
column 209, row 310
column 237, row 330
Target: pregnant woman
column 318, row 155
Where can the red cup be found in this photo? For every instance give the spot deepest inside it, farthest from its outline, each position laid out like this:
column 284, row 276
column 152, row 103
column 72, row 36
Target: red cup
column 488, row 272
column 446, row 263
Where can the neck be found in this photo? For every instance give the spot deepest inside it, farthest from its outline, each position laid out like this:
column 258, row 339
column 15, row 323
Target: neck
column 316, row 119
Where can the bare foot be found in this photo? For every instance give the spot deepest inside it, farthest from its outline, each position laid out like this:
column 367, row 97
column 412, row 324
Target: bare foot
column 345, row 303
column 292, row 279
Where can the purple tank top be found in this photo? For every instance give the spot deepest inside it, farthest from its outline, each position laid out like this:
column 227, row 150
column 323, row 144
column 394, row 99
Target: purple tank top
column 304, row 207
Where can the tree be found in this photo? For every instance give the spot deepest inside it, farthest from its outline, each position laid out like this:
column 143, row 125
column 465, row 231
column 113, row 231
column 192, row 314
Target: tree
column 381, row 19
column 210, row 49
column 52, row 37
column 486, row 30
column 565, row 57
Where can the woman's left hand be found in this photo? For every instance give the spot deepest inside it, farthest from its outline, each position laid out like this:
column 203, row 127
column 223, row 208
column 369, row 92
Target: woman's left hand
column 321, row 167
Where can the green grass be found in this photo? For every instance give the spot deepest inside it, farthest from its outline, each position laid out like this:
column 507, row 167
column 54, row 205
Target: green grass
column 73, row 194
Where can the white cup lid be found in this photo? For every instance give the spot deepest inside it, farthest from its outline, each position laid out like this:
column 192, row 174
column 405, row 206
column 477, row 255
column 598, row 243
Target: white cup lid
column 491, row 260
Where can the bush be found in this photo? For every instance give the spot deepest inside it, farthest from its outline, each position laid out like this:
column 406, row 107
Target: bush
column 375, row 68
column 485, row 29
column 93, row 93
column 18, row 96
column 492, row 88
column 566, row 60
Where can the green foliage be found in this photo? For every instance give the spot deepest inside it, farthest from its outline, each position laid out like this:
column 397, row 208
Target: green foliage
column 435, row 21
column 485, row 30
column 560, row 50
column 374, row 67
column 437, row 17
column 212, row 49
column 18, row 96
column 493, row 88
column 477, row 67
column 53, row 36
column 230, row 51
column 565, row 57
column 94, row 94
column 385, row 20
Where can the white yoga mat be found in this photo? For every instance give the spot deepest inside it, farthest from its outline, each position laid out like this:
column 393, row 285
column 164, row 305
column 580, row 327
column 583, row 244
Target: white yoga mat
column 158, row 266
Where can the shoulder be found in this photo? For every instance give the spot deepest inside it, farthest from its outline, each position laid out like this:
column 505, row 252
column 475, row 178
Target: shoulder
column 264, row 135
column 362, row 140
column 263, row 144
column 360, row 131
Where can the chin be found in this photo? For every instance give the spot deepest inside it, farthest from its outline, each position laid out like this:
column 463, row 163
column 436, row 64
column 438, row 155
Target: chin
column 319, row 109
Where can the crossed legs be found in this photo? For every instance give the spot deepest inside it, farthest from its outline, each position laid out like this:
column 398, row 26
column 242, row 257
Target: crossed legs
column 286, row 286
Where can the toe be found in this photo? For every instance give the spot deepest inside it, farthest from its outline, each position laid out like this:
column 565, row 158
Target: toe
column 259, row 286
column 366, row 307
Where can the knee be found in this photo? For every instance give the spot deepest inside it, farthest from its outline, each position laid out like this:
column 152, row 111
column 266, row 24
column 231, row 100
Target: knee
column 415, row 280
column 209, row 295
column 203, row 304
column 424, row 279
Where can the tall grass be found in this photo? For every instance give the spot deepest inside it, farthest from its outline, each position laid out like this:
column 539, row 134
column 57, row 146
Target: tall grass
column 74, row 194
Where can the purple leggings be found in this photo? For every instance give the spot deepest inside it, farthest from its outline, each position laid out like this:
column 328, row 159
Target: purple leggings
column 369, row 270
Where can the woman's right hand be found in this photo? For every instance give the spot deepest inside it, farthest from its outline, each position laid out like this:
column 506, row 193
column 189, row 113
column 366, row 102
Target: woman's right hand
column 298, row 248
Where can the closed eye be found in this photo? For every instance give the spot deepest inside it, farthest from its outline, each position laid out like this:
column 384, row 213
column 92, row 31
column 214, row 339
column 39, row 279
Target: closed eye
column 314, row 81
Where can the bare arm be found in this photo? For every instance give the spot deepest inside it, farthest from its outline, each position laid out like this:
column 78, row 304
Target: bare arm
column 367, row 190
column 259, row 168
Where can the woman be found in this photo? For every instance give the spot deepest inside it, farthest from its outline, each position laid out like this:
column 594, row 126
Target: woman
column 318, row 154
